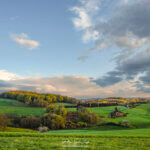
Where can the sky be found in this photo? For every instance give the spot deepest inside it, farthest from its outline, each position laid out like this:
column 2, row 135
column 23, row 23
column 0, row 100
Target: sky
column 79, row 48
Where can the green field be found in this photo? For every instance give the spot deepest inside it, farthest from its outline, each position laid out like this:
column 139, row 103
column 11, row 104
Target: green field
column 63, row 143
column 100, row 137
column 103, row 131
column 14, row 107
column 64, row 104
column 13, row 129
column 138, row 117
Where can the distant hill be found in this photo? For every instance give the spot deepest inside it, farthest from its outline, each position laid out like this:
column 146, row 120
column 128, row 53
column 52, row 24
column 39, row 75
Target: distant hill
column 37, row 99
column 87, row 99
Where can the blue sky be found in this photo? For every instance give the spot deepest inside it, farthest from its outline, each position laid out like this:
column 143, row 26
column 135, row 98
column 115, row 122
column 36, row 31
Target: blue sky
column 50, row 24
column 81, row 48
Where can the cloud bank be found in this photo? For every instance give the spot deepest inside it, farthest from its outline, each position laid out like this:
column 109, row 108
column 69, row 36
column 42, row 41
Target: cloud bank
column 123, row 26
column 72, row 85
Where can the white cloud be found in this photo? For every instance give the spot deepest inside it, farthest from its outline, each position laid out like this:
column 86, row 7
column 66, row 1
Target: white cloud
column 4, row 75
column 24, row 40
column 83, row 20
column 123, row 26
column 88, row 35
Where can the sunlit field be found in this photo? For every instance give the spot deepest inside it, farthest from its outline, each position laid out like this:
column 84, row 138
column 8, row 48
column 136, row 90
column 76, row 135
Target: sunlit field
column 14, row 107
column 63, row 143
column 98, row 137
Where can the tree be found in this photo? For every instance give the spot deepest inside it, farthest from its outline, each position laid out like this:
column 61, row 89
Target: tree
column 28, row 100
column 37, row 99
column 82, row 109
column 31, row 122
column 53, row 121
column 62, row 111
column 86, row 116
column 51, row 109
column 49, row 99
column 3, row 121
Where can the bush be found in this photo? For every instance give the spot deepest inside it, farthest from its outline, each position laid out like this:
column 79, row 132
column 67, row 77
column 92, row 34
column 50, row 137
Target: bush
column 51, row 109
column 15, row 120
column 70, row 125
column 82, row 124
column 3, row 121
column 125, row 123
column 82, row 109
column 30, row 122
column 83, row 117
column 43, row 129
column 62, row 111
column 53, row 121
column 93, row 118
column 89, row 118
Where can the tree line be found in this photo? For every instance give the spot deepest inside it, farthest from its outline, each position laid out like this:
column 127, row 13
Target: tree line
column 56, row 117
column 37, row 99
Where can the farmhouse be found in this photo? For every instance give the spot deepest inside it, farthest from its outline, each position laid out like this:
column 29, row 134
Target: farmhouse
column 117, row 113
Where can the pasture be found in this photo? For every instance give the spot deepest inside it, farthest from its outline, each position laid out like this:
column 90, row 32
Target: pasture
column 14, row 107
column 64, row 104
column 98, row 137
column 139, row 117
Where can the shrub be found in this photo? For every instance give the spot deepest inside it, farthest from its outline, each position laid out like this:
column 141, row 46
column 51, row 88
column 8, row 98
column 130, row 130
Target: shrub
column 53, row 121
column 82, row 109
column 15, row 120
column 3, row 121
column 31, row 122
column 90, row 118
column 81, row 124
column 125, row 123
column 62, row 111
column 70, row 125
column 83, row 117
column 93, row 118
column 51, row 109
column 43, row 129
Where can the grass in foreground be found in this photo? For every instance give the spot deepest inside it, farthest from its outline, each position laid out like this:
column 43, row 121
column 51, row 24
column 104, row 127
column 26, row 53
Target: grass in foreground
column 63, row 143
column 103, row 131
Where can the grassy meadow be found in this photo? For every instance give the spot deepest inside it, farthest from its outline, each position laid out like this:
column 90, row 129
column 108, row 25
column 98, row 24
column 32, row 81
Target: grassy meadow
column 75, row 143
column 99, row 137
column 139, row 116
column 64, row 104
column 14, row 107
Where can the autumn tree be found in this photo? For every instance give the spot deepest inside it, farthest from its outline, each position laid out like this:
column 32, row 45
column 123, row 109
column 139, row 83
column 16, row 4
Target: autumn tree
column 3, row 121
column 53, row 121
